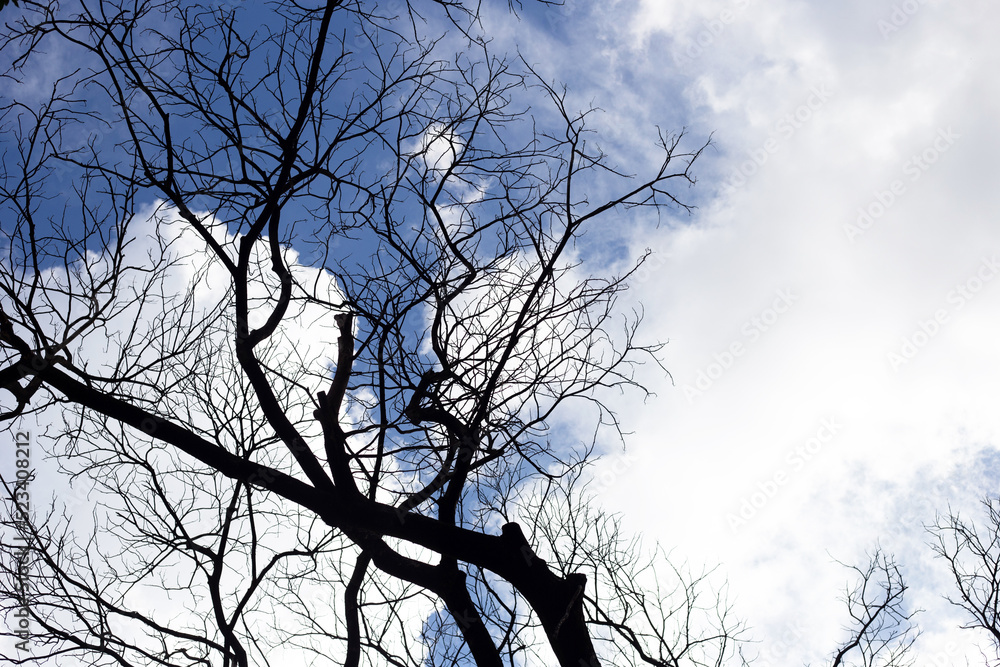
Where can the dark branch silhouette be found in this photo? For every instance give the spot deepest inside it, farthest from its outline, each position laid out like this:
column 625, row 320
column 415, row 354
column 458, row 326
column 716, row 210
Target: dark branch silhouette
column 972, row 553
column 299, row 291
column 881, row 631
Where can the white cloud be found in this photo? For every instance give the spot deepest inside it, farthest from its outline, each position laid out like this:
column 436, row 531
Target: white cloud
column 439, row 147
column 168, row 262
column 907, row 437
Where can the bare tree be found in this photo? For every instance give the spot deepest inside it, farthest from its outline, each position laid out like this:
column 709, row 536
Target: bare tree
column 299, row 291
column 644, row 609
column 882, row 630
column 973, row 556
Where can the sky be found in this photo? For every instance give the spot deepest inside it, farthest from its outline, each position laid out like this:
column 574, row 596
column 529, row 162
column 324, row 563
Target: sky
column 831, row 306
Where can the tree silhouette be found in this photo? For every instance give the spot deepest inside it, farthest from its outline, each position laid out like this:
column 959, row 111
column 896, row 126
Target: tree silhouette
column 300, row 293
column 881, row 631
column 972, row 553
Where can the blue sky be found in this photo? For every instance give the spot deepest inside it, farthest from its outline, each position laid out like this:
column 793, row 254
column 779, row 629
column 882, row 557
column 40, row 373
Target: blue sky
column 831, row 307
